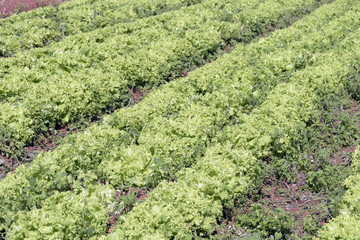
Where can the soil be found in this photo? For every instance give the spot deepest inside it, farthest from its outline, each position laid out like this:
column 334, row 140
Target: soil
column 276, row 194
column 139, row 196
column 6, row 166
column 9, row 7
column 137, row 95
column 29, row 153
column 295, row 199
column 50, row 142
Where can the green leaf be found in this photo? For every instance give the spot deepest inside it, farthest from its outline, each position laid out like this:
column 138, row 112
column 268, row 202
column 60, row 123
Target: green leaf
column 8, row 221
column 152, row 150
column 164, row 219
column 188, row 237
column 278, row 235
column 32, row 182
column 165, row 169
column 152, row 168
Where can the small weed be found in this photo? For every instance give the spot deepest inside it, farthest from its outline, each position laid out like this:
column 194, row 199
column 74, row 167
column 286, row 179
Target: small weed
column 301, row 186
column 266, row 221
column 20, row 8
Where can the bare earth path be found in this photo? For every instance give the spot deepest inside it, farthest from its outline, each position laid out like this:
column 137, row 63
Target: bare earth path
column 8, row 7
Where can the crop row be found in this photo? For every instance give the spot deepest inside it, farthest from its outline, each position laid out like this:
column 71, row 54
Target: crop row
column 99, row 36
column 40, row 27
column 44, row 92
column 174, row 127
column 85, row 51
column 214, row 96
column 193, row 203
column 347, row 224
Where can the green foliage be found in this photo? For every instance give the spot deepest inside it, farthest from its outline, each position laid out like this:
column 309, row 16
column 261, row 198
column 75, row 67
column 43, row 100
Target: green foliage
column 314, row 145
column 311, row 152
column 353, row 85
column 20, row 8
column 205, row 132
column 346, row 225
column 330, row 129
column 226, row 171
column 50, row 24
column 310, row 225
column 266, row 221
column 65, row 216
column 285, row 95
column 311, row 155
column 28, row 187
column 55, row 85
column 192, row 203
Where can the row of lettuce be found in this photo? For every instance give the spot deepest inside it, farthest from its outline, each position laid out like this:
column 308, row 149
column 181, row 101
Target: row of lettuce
column 347, row 224
column 208, row 129
column 86, row 50
column 44, row 88
column 194, row 202
column 45, row 25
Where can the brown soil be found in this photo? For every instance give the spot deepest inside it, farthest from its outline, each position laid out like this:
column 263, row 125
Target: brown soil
column 136, row 94
column 29, row 153
column 139, row 196
column 293, row 198
column 49, row 143
column 343, row 155
column 8, row 7
column 276, row 194
column 354, row 108
column 6, row 166
column 296, row 201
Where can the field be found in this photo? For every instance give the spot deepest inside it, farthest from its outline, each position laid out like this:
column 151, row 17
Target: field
column 180, row 119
